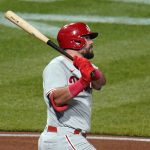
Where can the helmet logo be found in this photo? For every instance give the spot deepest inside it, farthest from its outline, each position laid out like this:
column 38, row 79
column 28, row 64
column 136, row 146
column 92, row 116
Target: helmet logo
column 74, row 32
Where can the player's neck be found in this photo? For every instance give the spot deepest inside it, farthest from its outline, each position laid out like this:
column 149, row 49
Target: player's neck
column 73, row 53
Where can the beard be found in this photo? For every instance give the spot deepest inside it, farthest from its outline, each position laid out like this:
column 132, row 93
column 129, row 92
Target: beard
column 89, row 54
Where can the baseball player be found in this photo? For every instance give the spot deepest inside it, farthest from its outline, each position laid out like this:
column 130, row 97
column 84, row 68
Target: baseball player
column 67, row 89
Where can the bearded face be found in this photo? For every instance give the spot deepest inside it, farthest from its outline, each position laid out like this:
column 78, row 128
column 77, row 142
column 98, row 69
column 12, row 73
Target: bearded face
column 87, row 52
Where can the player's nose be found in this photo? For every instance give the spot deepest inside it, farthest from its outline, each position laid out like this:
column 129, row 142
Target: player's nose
column 90, row 41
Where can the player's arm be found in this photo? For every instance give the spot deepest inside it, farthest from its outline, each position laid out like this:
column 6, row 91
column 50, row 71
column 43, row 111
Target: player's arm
column 61, row 96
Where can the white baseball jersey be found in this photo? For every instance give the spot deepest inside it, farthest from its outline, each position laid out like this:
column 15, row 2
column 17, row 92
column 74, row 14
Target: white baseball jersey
column 61, row 72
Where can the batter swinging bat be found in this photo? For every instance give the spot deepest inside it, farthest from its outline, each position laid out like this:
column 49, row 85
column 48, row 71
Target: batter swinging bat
column 10, row 15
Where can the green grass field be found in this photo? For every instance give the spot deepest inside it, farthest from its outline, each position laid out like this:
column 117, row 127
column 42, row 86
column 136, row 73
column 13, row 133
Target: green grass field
column 122, row 51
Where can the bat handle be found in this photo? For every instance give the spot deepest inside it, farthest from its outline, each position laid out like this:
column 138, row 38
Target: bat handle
column 52, row 44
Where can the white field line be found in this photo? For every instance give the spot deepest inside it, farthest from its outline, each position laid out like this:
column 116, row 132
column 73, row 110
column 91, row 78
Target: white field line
column 85, row 18
column 45, row 1
column 88, row 137
column 45, row 28
column 134, row 1
column 125, row 1
column 18, row 135
column 36, row 20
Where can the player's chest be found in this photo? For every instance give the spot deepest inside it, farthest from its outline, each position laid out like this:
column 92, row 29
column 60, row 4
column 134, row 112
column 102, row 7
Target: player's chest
column 73, row 78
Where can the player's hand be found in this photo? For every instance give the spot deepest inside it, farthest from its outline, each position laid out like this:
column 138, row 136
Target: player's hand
column 85, row 67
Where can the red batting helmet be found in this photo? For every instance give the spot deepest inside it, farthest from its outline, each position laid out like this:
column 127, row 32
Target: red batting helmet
column 71, row 36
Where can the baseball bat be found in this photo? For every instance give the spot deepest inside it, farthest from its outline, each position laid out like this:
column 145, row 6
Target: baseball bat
column 14, row 18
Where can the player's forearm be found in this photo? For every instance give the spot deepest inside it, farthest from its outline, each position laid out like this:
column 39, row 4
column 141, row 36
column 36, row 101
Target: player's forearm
column 61, row 96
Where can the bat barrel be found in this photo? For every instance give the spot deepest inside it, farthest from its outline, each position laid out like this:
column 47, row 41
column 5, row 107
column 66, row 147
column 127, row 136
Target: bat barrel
column 23, row 24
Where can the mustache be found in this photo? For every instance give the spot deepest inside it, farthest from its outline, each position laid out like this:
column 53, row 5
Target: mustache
column 88, row 48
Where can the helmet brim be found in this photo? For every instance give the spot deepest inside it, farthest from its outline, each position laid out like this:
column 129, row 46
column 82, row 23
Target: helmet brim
column 92, row 35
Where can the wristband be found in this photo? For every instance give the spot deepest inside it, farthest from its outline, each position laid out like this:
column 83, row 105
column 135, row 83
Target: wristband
column 77, row 87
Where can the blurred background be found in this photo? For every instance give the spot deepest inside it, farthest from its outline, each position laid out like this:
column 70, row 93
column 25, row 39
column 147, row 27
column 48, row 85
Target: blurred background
column 122, row 52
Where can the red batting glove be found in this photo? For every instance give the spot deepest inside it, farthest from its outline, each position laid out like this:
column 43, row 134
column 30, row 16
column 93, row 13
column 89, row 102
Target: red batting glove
column 85, row 67
column 81, row 62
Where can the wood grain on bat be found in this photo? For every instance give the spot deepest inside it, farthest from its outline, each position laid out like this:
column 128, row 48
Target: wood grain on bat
column 25, row 26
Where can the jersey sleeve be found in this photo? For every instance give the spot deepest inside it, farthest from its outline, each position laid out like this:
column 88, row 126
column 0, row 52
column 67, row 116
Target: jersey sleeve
column 53, row 76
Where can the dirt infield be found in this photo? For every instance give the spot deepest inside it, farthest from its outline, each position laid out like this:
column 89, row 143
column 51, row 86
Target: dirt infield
column 28, row 141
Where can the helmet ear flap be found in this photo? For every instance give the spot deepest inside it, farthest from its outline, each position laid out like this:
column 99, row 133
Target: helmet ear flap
column 78, row 43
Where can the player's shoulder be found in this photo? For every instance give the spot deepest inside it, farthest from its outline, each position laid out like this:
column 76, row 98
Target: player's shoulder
column 55, row 63
column 57, row 60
